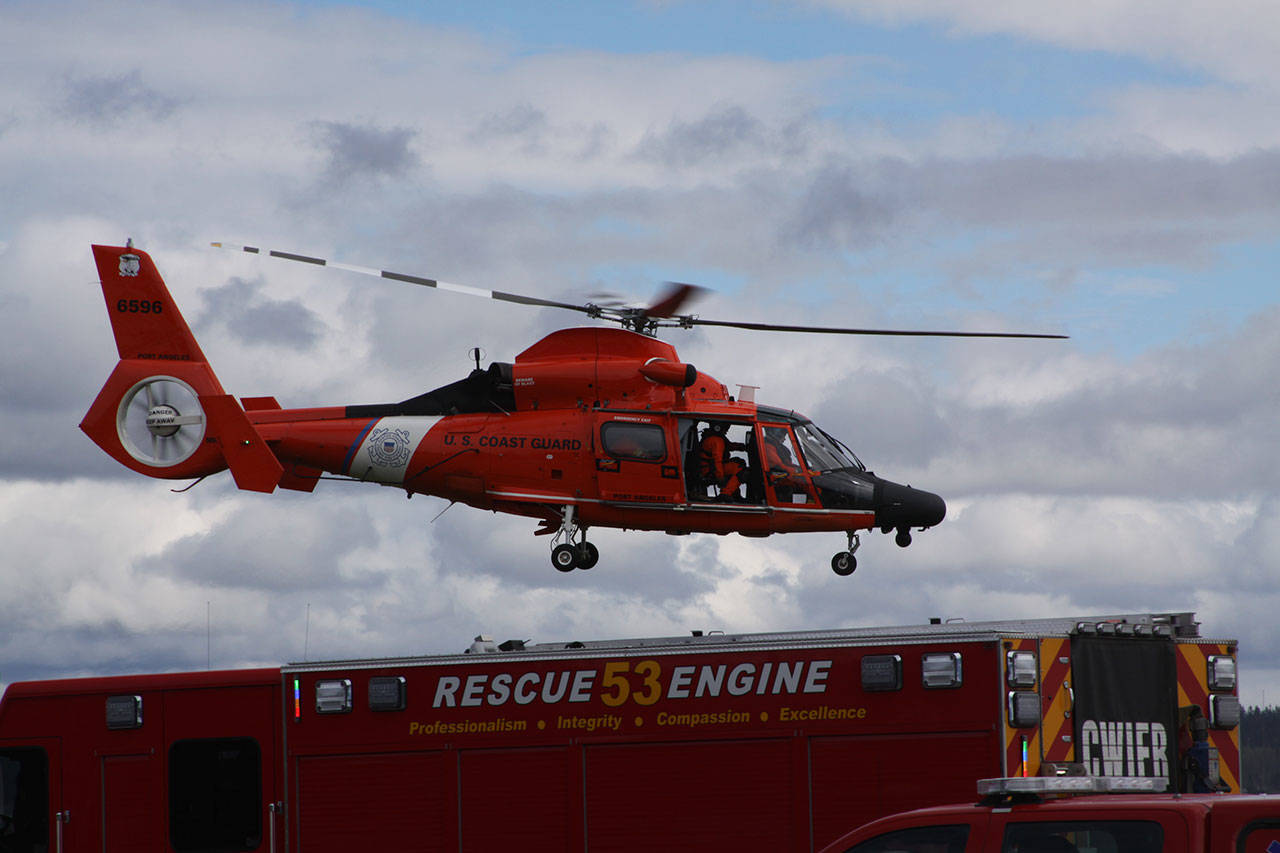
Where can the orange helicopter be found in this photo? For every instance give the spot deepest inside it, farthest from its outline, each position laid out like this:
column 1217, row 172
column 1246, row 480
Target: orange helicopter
column 589, row 427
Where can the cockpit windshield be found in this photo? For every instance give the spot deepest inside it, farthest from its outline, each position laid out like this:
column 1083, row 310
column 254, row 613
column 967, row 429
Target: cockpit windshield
column 822, row 452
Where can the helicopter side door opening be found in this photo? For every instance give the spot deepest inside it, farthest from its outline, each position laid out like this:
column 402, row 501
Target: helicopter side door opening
column 721, row 462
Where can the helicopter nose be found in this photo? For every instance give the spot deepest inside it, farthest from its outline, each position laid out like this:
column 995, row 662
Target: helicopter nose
column 905, row 507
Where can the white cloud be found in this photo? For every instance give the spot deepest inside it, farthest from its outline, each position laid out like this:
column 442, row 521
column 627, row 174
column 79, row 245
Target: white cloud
column 1077, row 480
column 1236, row 39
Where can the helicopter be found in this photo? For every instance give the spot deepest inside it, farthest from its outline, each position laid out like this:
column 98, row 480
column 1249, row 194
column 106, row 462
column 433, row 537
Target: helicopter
column 592, row 426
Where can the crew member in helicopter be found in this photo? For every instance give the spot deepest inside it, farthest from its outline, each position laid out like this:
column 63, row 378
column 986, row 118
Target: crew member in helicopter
column 717, row 466
column 781, row 464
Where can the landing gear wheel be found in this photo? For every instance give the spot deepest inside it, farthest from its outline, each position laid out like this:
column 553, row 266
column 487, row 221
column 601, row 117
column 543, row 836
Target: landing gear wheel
column 564, row 558
column 587, row 555
column 844, row 563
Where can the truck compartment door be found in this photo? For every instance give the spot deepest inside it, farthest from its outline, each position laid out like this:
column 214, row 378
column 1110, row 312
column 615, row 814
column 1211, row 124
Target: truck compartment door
column 131, row 802
column 223, row 765
column 375, row 802
column 1126, row 706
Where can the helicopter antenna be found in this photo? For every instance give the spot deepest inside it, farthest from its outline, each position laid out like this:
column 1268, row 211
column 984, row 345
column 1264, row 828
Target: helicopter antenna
column 477, row 354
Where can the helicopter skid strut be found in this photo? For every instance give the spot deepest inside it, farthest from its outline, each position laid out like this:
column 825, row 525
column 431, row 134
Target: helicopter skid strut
column 567, row 555
column 844, row 563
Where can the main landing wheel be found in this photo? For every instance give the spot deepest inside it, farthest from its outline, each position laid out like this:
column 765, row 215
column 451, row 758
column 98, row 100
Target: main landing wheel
column 568, row 557
column 587, row 555
column 564, row 557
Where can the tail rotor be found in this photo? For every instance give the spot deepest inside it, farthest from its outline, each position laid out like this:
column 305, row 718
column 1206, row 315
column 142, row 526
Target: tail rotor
column 160, row 422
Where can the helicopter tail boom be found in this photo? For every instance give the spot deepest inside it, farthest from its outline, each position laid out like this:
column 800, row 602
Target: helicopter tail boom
column 162, row 412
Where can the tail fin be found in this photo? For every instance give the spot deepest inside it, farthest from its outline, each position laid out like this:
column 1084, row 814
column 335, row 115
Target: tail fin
column 163, row 412
column 146, row 323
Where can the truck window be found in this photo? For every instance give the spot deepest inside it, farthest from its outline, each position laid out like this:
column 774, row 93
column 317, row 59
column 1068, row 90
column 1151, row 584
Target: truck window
column 24, row 800
column 215, row 795
column 1079, row 836
column 917, row 839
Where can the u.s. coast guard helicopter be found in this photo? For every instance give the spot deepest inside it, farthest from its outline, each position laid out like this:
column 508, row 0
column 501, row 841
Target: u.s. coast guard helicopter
column 589, row 427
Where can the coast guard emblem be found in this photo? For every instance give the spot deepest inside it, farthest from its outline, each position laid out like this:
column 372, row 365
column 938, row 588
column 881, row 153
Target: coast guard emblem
column 389, row 448
column 130, row 264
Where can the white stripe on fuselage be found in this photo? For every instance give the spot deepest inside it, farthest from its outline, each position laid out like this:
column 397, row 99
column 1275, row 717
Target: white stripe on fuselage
column 385, row 452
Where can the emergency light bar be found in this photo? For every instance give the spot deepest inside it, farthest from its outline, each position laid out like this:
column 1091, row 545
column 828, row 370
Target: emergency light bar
column 1043, row 785
column 1124, row 629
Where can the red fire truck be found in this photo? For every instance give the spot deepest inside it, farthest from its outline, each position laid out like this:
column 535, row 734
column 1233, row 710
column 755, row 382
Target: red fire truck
column 777, row 741
column 1077, row 814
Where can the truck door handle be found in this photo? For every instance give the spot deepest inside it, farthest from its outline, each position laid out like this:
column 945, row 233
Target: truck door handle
column 275, row 808
column 62, row 817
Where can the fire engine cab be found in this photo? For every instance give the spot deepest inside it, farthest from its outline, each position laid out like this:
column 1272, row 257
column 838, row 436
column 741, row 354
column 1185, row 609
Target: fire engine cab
column 1077, row 814
column 777, row 741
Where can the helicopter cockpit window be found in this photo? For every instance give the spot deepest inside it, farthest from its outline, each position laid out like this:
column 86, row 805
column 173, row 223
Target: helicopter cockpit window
column 784, row 467
column 644, row 442
column 822, row 452
column 779, row 452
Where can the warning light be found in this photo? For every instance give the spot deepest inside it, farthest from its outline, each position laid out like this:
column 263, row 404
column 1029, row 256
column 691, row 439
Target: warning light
column 387, row 693
column 297, row 699
column 941, row 670
column 1024, row 755
column 333, row 696
column 1224, row 711
column 1024, row 709
column 1021, row 669
column 125, row 712
column 1222, row 672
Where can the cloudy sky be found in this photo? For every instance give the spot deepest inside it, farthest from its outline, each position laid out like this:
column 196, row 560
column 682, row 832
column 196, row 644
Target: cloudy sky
column 1109, row 171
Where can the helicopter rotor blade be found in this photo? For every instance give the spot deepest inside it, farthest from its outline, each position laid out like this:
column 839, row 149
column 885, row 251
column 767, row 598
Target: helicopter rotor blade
column 499, row 295
column 831, row 330
column 674, row 296
column 661, row 313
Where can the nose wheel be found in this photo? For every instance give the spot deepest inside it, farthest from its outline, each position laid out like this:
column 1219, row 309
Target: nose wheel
column 566, row 554
column 844, row 563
